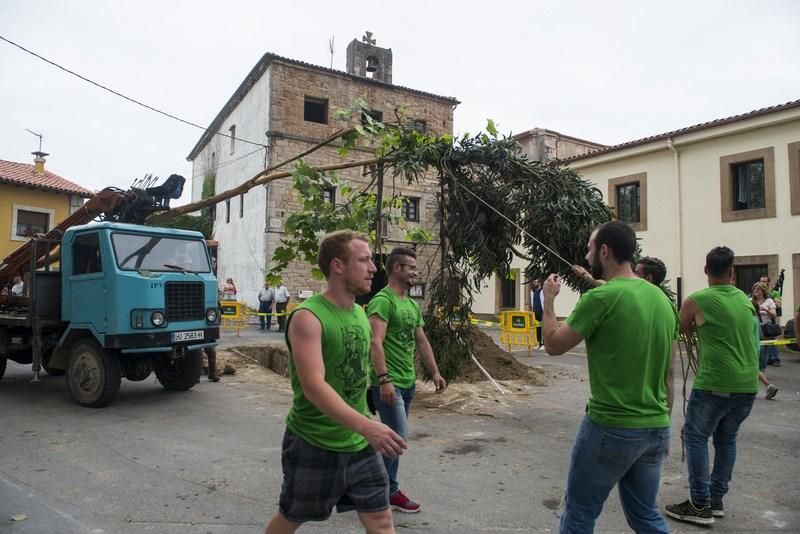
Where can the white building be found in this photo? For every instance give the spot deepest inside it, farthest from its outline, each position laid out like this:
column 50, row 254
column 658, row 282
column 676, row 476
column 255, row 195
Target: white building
column 732, row 181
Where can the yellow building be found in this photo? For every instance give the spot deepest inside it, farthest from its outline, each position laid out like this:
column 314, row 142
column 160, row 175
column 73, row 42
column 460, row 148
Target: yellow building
column 33, row 200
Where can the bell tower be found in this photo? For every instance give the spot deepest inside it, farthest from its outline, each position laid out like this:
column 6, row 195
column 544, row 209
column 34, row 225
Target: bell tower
column 369, row 61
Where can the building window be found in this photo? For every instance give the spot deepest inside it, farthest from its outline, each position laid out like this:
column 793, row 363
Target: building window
column 794, row 181
column 627, row 196
column 417, row 291
column 748, row 269
column 628, row 203
column 232, row 131
column 315, row 110
column 384, row 228
column 75, row 203
column 747, row 185
column 228, row 210
column 411, row 209
column 375, row 115
column 329, row 195
column 29, row 220
column 241, row 206
column 86, row 257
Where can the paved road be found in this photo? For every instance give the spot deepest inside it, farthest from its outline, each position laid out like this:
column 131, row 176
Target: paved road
column 208, row 460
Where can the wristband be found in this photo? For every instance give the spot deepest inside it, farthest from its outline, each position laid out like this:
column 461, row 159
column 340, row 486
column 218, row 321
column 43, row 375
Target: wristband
column 385, row 380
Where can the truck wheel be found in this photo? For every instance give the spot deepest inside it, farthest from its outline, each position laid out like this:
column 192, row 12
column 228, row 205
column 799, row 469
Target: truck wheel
column 93, row 374
column 179, row 374
column 3, row 363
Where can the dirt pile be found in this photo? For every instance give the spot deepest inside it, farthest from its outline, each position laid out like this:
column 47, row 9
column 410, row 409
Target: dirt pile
column 500, row 364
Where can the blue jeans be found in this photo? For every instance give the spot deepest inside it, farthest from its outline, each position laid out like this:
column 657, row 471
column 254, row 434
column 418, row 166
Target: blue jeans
column 265, row 307
column 772, row 354
column 395, row 417
column 602, row 457
column 718, row 415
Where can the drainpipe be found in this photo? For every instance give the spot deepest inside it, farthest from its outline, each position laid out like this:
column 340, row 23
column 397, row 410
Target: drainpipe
column 267, row 188
column 678, row 222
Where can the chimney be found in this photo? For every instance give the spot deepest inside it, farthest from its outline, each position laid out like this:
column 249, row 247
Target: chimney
column 38, row 161
column 370, row 61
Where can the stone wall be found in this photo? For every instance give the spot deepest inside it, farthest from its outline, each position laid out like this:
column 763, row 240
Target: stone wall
column 292, row 135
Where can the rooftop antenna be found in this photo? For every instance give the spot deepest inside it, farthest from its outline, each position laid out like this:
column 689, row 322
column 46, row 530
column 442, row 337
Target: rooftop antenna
column 330, row 47
column 40, row 136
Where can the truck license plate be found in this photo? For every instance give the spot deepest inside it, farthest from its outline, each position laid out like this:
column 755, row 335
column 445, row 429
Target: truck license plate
column 188, row 336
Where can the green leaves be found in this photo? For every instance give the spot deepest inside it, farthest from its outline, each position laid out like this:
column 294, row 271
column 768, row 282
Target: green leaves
column 491, row 128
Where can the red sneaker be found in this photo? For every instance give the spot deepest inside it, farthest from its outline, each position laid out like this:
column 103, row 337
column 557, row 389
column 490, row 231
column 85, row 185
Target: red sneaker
column 401, row 503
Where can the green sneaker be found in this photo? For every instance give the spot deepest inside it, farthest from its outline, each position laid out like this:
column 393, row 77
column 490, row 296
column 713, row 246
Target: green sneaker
column 687, row 511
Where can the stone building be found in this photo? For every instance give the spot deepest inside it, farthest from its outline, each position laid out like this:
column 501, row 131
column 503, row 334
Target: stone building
column 282, row 108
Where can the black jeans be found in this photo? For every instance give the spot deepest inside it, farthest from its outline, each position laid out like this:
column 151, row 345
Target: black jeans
column 265, row 307
column 280, row 307
column 211, row 354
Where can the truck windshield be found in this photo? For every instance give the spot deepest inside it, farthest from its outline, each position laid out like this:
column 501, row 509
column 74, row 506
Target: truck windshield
column 159, row 253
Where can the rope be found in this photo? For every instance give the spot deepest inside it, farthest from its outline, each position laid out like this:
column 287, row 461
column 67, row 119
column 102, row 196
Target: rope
column 521, row 229
column 690, row 365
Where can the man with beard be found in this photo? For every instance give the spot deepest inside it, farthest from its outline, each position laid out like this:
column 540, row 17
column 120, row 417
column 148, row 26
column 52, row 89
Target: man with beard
column 330, row 448
column 396, row 323
column 651, row 269
column 629, row 326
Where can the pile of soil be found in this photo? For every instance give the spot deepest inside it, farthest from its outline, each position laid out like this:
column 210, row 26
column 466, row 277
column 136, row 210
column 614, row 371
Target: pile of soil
column 500, row 364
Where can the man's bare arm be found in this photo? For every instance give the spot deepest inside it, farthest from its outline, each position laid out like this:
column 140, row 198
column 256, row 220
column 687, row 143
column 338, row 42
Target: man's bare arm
column 557, row 339
column 305, row 336
column 428, row 360
column 690, row 315
column 378, row 356
column 584, row 275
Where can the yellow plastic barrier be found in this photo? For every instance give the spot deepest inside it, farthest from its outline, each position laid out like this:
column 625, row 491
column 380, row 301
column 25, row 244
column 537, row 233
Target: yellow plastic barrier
column 231, row 315
column 518, row 328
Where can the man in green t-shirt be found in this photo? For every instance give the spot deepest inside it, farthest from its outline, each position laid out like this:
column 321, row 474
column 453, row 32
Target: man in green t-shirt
column 724, row 388
column 396, row 323
column 330, row 448
column 630, row 327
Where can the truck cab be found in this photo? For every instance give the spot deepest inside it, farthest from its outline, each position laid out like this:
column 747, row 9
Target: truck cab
column 132, row 300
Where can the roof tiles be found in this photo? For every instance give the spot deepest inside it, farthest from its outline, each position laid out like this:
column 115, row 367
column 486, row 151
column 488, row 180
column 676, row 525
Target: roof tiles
column 24, row 174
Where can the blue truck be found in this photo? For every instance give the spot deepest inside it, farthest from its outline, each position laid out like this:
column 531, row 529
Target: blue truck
column 108, row 300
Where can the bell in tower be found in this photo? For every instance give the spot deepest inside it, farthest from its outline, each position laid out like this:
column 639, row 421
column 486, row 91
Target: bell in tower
column 366, row 59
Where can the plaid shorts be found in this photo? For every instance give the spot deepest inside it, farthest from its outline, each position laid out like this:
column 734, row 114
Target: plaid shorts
column 315, row 480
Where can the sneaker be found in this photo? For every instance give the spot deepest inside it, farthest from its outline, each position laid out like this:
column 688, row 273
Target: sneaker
column 686, row 511
column 213, row 379
column 716, row 507
column 401, row 503
column 776, row 363
column 771, row 392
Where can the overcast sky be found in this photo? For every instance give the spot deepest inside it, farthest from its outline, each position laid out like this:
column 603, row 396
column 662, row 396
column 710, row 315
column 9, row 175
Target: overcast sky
column 604, row 71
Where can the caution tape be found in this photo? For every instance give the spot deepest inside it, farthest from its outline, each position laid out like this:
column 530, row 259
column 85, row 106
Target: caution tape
column 481, row 321
column 773, row 342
